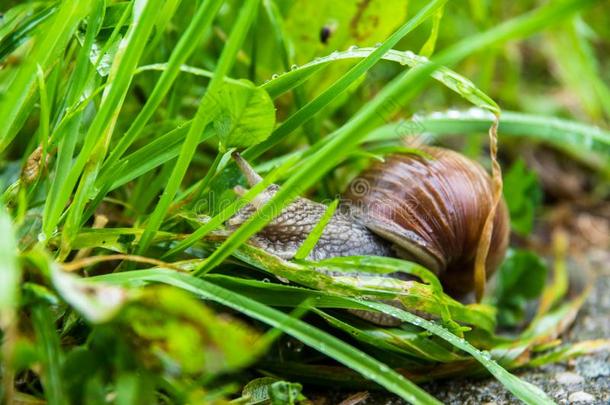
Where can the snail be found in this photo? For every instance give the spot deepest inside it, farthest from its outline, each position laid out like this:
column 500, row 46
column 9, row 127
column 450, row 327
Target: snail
column 430, row 209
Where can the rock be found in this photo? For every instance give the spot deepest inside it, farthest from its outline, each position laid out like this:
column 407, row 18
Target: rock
column 581, row 396
column 568, row 378
column 592, row 367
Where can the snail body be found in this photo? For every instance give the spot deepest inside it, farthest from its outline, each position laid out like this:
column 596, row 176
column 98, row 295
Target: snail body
column 427, row 209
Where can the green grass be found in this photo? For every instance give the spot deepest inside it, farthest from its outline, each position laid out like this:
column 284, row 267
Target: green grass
column 125, row 115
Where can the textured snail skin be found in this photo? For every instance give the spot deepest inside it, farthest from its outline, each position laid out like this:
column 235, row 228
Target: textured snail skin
column 433, row 210
column 342, row 236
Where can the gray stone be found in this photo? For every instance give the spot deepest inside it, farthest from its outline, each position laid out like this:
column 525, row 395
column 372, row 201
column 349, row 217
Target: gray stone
column 569, row 378
column 581, row 396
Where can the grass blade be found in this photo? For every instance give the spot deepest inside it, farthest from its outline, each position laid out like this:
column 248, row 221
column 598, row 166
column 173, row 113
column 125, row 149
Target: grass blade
column 227, row 58
column 316, row 232
column 186, row 46
column 50, row 42
column 101, row 129
column 576, row 139
column 311, row 108
column 51, row 353
column 319, row 340
column 523, row 390
column 10, row 277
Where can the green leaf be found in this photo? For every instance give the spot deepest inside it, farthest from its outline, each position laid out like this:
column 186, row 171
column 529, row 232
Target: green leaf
column 349, row 23
column 244, row 114
column 282, row 392
column 102, row 127
column 96, row 302
column 269, row 390
column 523, row 197
column 521, row 278
column 184, row 336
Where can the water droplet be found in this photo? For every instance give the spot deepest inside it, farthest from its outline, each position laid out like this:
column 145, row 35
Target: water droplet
column 378, row 44
column 334, row 54
column 486, row 354
column 294, row 67
column 465, row 87
column 274, row 76
column 42, row 237
column 266, row 280
column 353, row 48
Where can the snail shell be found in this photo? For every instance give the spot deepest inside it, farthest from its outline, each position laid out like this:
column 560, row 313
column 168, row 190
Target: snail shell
column 432, row 209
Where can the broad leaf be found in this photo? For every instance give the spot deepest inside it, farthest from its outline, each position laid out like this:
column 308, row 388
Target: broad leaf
column 244, row 115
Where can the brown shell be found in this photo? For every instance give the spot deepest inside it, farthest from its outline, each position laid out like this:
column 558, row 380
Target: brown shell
column 433, row 210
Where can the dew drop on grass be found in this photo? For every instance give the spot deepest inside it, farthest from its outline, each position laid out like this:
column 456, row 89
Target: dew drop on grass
column 465, row 88
column 42, row 237
column 378, row 44
column 294, row 67
column 266, row 280
column 486, row 355
column 274, row 76
column 353, row 48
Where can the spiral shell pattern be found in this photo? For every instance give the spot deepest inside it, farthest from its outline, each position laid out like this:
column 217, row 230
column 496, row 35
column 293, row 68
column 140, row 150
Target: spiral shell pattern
column 433, row 209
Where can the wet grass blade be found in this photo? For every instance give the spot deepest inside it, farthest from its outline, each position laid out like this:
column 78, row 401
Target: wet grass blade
column 100, row 132
column 311, row 108
column 51, row 41
column 575, row 138
column 184, row 48
column 523, row 390
column 227, row 59
column 51, row 354
column 317, row 339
